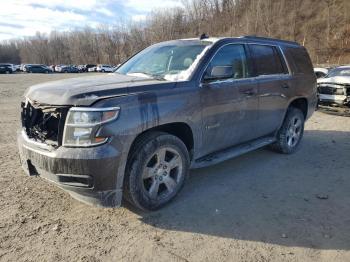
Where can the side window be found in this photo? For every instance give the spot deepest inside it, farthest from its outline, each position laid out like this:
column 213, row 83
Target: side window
column 302, row 62
column 231, row 60
column 268, row 60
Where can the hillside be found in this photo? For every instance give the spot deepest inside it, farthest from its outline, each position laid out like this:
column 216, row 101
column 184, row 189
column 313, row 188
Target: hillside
column 323, row 27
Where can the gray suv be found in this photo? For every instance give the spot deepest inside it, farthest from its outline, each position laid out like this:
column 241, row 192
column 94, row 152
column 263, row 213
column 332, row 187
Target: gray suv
column 176, row 105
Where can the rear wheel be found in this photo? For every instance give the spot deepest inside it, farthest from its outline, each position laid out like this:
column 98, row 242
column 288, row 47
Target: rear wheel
column 291, row 132
column 156, row 170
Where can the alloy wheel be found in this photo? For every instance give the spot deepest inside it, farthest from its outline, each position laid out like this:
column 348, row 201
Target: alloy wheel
column 294, row 131
column 162, row 173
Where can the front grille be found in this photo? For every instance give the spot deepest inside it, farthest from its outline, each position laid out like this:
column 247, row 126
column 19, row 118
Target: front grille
column 330, row 90
column 44, row 123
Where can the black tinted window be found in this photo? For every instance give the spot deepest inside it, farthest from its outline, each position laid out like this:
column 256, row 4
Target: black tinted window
column 234, row 56
column 302, row 62
column 267, row 60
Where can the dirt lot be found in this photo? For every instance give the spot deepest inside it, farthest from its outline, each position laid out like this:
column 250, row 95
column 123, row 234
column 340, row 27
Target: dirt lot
column 261, row 206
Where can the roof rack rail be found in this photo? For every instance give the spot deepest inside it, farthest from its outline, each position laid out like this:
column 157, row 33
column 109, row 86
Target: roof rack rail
column 269, row 39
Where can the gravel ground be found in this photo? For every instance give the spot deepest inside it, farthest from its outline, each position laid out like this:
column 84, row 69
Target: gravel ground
column 261, row 206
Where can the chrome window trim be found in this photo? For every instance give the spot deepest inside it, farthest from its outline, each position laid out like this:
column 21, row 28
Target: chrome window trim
column 283, row 57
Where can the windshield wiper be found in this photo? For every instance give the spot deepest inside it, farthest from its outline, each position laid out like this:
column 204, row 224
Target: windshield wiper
column 158, row 77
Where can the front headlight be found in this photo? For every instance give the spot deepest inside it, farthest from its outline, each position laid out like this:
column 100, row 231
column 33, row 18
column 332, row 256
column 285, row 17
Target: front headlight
column 82, row 125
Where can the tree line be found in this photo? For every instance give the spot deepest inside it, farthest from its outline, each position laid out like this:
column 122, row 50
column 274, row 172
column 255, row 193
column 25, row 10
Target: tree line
column 322, row 26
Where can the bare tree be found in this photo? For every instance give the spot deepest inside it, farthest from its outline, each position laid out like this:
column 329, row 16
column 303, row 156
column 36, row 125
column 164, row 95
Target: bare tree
column 322, row 26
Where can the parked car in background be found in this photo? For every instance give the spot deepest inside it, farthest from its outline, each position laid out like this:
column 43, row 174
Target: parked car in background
column 320, row 72
column 81, row 68
column 6, row 69
column 87, row 67
column 53, row 68
column 38, row 69
column 58, row 68
column 92, row 69
column 185, row 103
column 335, row 86
column 69, row 69
column 104, row 68
column 16, row 68
column 27, row 66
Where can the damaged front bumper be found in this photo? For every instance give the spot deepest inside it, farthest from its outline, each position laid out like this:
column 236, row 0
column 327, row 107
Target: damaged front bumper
column 337, row 99
column 334, row 93
column 88, row 174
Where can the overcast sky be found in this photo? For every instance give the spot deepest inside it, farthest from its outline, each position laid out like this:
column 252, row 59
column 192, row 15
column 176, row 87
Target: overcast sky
column 19, row 18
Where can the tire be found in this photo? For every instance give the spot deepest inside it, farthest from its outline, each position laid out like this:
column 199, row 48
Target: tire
column 291, row 133
column 7, row 72
column 156, row 171
column 103, row 70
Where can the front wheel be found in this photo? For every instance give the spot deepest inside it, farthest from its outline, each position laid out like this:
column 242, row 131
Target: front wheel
column 156, row 170
column 291, row 132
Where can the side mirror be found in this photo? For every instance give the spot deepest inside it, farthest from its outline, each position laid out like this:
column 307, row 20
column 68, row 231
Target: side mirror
column 219, row 72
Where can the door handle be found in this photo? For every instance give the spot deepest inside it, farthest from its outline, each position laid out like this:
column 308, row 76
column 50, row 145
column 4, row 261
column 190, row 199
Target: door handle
column 285, row 85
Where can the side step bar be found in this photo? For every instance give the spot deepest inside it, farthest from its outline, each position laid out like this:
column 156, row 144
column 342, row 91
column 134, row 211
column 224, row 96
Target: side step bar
column 231, row 152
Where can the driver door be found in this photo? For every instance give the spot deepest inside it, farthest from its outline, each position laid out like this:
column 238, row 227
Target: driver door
column 229, row 103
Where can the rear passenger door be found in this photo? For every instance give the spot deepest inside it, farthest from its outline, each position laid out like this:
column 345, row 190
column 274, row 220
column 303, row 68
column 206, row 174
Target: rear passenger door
column 274, row 82
column 229, row 105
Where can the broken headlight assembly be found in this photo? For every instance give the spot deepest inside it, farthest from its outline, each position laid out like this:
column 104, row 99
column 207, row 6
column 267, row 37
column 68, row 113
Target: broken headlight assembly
column 83, row 123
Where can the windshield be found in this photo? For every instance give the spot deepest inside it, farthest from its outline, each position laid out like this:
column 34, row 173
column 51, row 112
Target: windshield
column 173, row 61
column 339, row 72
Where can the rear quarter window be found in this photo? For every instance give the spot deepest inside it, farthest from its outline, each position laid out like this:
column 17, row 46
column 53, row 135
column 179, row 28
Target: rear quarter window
column 300, row 61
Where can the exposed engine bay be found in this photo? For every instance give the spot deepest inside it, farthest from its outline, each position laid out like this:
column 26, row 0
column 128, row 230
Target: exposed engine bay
column 44, row 124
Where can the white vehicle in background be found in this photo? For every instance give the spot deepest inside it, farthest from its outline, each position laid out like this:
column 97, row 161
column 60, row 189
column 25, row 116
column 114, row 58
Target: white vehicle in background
column 16, row 68
column 320, row 72
column 334, row 88
column 104, row 68
column 92, row 69
column 58, row 68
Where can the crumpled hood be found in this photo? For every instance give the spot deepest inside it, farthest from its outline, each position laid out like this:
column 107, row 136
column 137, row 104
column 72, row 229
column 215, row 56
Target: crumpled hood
column 343, row 80
column 83, row 91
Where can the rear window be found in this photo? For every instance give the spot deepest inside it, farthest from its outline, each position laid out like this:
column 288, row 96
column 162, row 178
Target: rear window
column 267, row 60
column 301, row 61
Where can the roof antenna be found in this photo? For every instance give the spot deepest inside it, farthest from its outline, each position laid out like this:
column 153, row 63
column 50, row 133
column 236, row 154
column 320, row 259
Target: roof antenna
column 203, row 36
